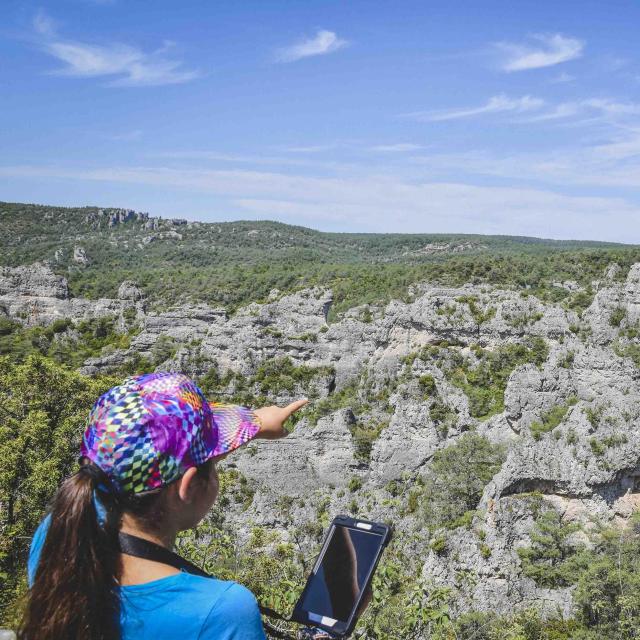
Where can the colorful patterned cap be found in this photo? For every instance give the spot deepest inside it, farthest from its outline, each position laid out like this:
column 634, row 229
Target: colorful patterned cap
column 149, row 430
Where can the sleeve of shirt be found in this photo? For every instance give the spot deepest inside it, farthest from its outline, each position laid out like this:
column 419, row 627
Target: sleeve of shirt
column 235, row 616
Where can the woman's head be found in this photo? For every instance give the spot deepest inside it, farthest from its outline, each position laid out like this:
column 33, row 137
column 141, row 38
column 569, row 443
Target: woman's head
column 148, row 456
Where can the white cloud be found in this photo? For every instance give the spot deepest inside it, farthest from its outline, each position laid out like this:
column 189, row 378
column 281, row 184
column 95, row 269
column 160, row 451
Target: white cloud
column 127, row 136
column 43, row 24
column 589, row 110
column 496, row 104
column 551, row 49
column 621, row 149
column 562, row 78
column 610, row 165
column 316, row 148
column 124, row 65
column 322, row 43
column 399, row 147
column 381, row 202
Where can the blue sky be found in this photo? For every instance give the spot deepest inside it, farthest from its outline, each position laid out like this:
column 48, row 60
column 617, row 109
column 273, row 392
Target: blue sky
column 479, row 116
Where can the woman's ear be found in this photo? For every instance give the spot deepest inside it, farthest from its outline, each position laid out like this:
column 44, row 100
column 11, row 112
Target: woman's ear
column 187, row 485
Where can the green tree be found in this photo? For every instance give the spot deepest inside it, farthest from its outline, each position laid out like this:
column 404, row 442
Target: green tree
column 456, row 478
column 43, row 410
column 607, row 594
column 551, row 560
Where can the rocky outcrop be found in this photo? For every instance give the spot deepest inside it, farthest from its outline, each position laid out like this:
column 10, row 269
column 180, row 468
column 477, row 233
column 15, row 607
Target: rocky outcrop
column 35, row 295
column 313, row 456
column 586, row 465
column 80, row 256
column 35, row 281
column 130, row 290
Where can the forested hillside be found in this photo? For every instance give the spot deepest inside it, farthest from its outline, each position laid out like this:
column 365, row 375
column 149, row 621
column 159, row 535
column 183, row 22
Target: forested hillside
column 233, row 263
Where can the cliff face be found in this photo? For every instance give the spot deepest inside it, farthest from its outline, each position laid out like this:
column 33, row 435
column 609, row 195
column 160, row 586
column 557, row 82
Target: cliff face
column 34, row 295
column 568, row 417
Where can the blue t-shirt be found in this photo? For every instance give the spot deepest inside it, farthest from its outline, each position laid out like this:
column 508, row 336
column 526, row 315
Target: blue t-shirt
column 181, row 606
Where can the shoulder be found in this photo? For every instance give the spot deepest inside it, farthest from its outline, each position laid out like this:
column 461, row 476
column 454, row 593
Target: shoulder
column 234, row 616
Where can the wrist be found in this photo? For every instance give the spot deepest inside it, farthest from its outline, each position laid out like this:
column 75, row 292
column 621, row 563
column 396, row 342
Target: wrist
column 257, row 420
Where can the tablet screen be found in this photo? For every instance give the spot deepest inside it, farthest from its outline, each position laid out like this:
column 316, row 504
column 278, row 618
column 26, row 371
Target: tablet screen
column 341, row 573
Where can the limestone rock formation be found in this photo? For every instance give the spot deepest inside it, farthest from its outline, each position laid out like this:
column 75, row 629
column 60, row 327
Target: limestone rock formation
column 570, row 422
column 80, row 256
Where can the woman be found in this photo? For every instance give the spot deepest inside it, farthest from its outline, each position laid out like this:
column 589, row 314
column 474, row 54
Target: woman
column 148, row 469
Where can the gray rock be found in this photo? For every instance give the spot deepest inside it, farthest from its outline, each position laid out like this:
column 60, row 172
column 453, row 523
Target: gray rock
column 80, row 256
column 130, row 290
column 310, row 457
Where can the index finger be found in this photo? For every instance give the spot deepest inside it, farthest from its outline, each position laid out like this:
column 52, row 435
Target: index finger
column 294, row 406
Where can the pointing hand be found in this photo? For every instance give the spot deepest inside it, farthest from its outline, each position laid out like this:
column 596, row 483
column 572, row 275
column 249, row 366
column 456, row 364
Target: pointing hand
column 274, row 417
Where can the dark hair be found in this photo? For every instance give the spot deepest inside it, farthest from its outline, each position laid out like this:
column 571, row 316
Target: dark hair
column 74, row 595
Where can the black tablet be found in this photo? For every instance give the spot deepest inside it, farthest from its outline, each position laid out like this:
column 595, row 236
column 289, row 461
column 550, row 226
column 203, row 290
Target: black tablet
column 341, row 574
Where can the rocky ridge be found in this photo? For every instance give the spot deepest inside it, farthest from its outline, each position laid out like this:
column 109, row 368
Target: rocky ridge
column 587, row 467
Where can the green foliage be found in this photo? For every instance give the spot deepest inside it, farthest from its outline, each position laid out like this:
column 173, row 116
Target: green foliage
column 456, row 478
column 551, row 560
column 628, row 350
column 572, row 436
column 438, row 544
column 63, row 341
column 484, row 382
column 617, row 316
column 523, row 320
column 479, row 315
column 270, row 568
column 594, row 415
column 278, row 375
column 566, row 362
column 551, row 418
column 598, row 448
column 428, row 384
column 607, row 594
column 273, row 378
column 580, row 300
column 355, row 483
column 364, row 435
column 442, row 415
column 223, row 264
column 165, row 347
column 527, row 624
column 43, row 411
column 614, row 440
column 403, row 605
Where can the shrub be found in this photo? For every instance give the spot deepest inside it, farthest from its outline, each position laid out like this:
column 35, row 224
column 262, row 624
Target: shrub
column 363, row 438
column 566, row 362
column 551, row 561
column 438, row 545
column 44, row 411
column 617, row 316
column 551, row 419
column 485, row 383
column 456, row 478
column 607, row 594
column 428, row 384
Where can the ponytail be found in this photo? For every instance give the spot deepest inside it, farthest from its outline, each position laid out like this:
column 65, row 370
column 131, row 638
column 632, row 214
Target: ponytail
column 74, row 591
